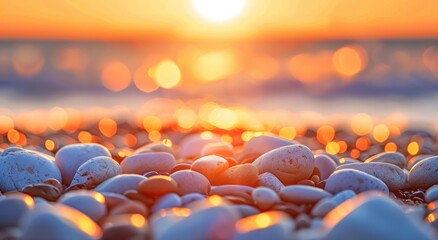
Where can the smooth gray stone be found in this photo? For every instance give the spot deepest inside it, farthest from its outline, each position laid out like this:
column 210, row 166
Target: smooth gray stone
column 20, row 167
column 355, row 180
column 170, row 200
column 120, row 183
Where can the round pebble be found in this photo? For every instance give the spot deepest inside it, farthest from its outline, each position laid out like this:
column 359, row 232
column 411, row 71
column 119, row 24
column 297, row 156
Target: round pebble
column 13, row 208
column 289, row 164
column 390, row 174
column 157, row 185
column 432, row 194
column 259, row 145
column 424, row 173
column 244, row 174
column 120, row 183
column 90, row 203
column 170, row 200
column 264, row 198
column 325, row 165
column 145, row 162
column 189, row 181
column 95, row 171
column 354, row 180
column 210, row 166
column 269, row 180
column 395, row 158
column 71, row 157
column 20, row 167
column 303, row 194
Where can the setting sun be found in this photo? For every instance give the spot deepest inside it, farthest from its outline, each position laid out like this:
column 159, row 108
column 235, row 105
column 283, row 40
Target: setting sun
column 219, row 10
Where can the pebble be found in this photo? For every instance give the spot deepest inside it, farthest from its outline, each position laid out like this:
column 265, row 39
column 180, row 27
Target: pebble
column 269, row 180
column 392, row 175
column 267, row 225
column 325, row 165
column 372, row 216
column 424, row 173
column 120, row 183
column 415, row 159
column 259, row 145
column 302, row 194
column 170, row 200
column 325, row 205
column 181, row 166
column 59, row 222
column 289, row 164
column 189, row 181
column 13, row 208
column 89, row 203
column 355, row 180
column 233, row 190
column 127, row 226
column 145, row 162
column 46, row 191
column 129, row 207
column 191, row 197
column 220, row 149
column 69, row 158
column 264, row 198
column 216, row 222
column 113, row 199
column 157, row 185
column 20, row 167
column 432, row 194
column 243, row 174
column 395, row 158
column 95, row 171
column 210, row 166
column 245, row 210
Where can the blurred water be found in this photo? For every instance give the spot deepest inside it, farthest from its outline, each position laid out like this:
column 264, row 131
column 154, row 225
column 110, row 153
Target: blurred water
column 393, row 76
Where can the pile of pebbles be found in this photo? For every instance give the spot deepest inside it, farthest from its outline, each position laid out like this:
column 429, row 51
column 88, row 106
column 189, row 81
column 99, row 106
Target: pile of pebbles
column 271, row 188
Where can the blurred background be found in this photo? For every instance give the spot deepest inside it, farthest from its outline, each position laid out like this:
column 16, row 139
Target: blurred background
column 257, row 65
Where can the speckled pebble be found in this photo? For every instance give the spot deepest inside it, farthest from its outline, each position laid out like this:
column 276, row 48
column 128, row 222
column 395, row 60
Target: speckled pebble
column 424, row 173
column 395, row 158
column 390, row 174
column 71, row 157
column 289, row 164
column 95, row 171
column 20, row 167
column 354, row 180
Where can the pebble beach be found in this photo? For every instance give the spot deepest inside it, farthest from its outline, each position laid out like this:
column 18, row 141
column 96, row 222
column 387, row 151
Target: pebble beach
column 202, row 185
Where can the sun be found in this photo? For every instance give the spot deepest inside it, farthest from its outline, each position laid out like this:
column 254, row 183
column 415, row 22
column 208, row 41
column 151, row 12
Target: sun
column 219, row 10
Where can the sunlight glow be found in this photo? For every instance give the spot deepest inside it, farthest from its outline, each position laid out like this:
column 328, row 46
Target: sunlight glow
column 219, row 10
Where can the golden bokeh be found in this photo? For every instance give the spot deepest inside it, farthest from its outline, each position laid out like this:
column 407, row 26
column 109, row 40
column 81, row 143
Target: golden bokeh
column 143, row 81
column 333, row 148
column 167, row 74
column 137, row 220
column 350, row 60
column 413, row 148
column 325, row 134
column 116, row 76
column 362, row 124
column 107, row 127
column 381, row 133
column 214, row 66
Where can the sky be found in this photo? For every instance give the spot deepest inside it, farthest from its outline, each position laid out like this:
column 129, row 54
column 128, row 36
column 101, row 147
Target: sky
column 178, row 19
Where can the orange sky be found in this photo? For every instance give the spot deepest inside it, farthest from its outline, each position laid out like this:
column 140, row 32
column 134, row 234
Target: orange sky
column 266, row 19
